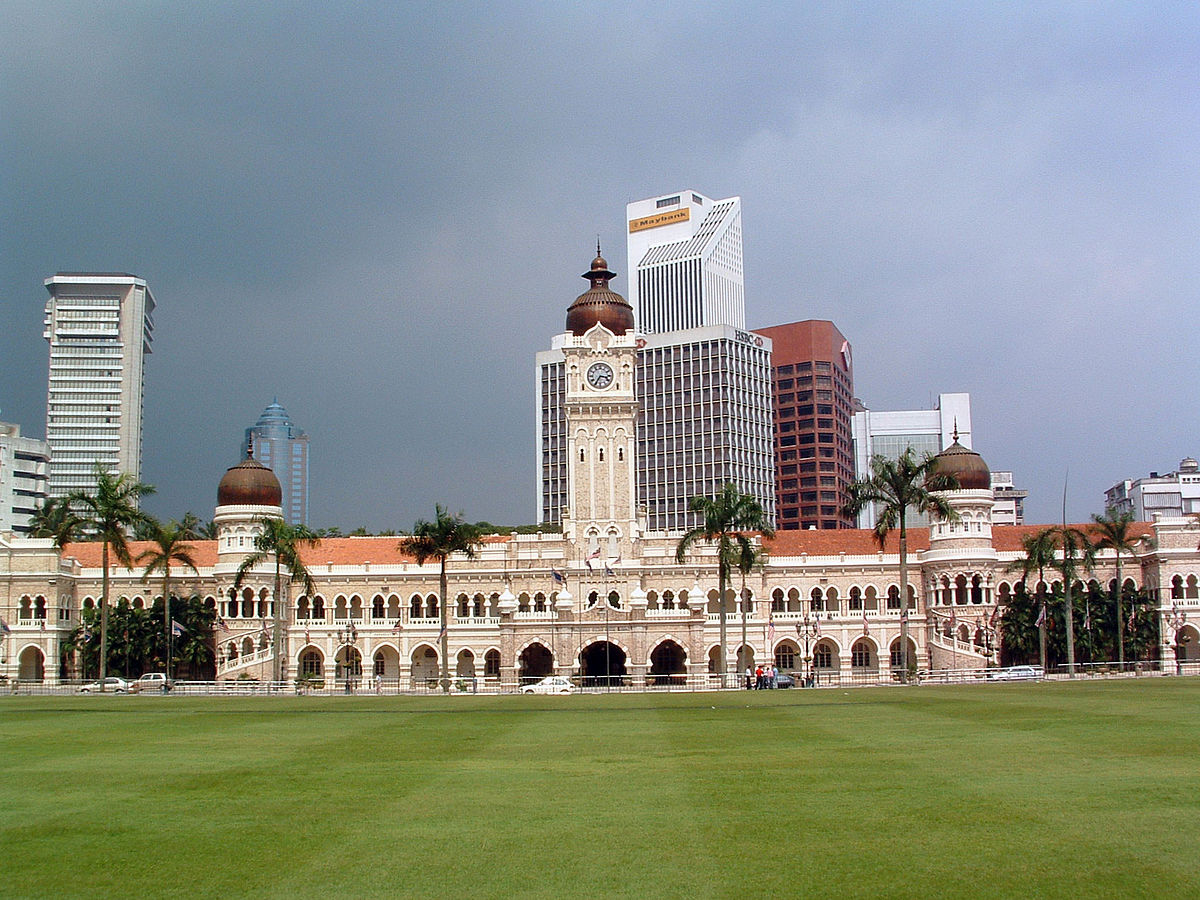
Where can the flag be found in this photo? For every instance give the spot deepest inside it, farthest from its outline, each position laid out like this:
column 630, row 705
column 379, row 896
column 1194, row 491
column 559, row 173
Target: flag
column 608, row 571
column 818, row 628
column 396, row 627
column 87, row 635
column 1087, row 618
column 42, row 624
column 617, row 560
column 588, row 562
column 306, row 637
column 177, row 630
column 771, row 630
column 442, row 633
column 4, row 629
column 866, row 625
column 953, row 620
column 1041, row 619
column 595, row 554
column 904, row 615
column 220, row 622
column 558, row 576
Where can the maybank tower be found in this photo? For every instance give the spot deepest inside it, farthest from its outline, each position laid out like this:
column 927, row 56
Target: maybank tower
column 685, row 260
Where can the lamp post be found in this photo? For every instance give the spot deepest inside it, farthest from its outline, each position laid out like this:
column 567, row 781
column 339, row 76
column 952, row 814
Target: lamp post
column 806, row 629
column 348, row 637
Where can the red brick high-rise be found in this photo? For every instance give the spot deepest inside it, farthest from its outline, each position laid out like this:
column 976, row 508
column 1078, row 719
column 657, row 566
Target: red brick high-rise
column 813, row 376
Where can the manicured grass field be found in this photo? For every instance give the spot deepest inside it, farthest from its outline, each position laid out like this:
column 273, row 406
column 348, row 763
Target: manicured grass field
column 1020, row 790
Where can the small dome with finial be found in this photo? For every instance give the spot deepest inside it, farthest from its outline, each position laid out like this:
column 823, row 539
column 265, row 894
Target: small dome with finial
column 965, row 465
column 249, row 483
column 600, row 304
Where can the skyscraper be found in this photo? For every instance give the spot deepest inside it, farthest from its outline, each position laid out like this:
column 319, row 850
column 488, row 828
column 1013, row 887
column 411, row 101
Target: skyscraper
column 814, row 405
column 685, row 260
column 100, row 328
column 23, row 468
column 283, row 448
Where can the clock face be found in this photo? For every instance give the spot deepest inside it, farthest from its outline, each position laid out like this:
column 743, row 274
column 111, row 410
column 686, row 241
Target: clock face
column 600, row 375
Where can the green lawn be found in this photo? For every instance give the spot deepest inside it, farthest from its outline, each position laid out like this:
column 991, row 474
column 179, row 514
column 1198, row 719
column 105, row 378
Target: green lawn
column 1021, row 790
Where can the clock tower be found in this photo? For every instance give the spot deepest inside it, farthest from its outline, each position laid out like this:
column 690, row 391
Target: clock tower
column 600, row 403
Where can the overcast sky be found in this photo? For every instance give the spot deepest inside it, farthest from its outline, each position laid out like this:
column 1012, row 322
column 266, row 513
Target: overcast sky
column 379, row 214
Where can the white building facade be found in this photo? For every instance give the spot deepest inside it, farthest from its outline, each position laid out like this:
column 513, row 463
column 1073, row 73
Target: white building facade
column 100, row 328
column 685, row 262
column 1173, row 494
column 24, row 466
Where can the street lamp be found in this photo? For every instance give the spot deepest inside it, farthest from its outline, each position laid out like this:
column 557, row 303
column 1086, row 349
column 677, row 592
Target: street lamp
column 348, row 637
column 806, row 629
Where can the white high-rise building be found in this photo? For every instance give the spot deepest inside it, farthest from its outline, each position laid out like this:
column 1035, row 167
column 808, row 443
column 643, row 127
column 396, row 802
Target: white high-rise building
column 23, row 466
column 100, row 328
column 891, row 432
column 685, row 262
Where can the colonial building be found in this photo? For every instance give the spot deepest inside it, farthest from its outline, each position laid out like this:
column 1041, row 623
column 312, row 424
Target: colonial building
column 603, row 598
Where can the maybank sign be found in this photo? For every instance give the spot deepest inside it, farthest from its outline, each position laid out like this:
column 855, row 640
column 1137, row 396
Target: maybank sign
column 660, row 219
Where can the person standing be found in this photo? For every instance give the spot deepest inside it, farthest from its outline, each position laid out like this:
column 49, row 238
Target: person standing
column 758, row 678
column 749, row 678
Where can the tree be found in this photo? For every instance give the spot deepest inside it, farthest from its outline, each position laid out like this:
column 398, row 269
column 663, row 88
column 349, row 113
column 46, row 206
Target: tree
column 1112, row 532
column 438, row 539
column 746, row 559
column 55, row 519
column 170, row 546
column 1075, row 550
column 729, row 518
column 897, row 486
column 282, row 542
column 1039, row 554
column 109, row 512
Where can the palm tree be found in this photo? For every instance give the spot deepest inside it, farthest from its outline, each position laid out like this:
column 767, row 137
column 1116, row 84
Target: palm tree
column 896, row 486
column 1076, row 550
column 282, row 542
column 437, row 539
column 55, row 519
column 746, row 559
column 169, row 547
column 1039, row 553
column 1112, row 532
column 109, row 512
column 729, row 518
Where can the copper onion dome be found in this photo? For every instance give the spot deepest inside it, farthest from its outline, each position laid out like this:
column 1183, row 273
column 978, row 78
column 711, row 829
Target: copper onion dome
column 965, row 465
column 599, row 303
column 249, row 483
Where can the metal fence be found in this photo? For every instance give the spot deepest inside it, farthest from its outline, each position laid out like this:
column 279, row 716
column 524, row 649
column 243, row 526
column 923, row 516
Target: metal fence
column 460, row 686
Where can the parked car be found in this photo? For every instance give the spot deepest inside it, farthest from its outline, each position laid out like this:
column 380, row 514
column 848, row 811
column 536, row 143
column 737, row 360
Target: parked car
column 1018, row 673
column 153, row 682
column 112, row 685
column 784, row 681
column 551, row 684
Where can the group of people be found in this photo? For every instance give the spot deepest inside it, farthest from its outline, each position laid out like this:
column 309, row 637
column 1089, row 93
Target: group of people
column 760, row 679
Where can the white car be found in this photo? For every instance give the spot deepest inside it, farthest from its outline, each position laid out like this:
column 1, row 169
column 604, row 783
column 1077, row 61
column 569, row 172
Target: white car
column 112, row 685
column 551, row 684
column 1019, row 673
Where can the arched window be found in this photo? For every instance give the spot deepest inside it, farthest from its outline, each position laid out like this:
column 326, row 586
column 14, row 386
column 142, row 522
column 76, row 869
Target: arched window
column 785, row 656
column 856, row 603
column 860, row 655
column 491, row 664
column 823, row 656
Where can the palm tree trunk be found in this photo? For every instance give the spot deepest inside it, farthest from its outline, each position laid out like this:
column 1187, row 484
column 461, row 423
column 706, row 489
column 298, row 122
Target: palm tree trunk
column 167, row 619
column 103, row 616
column 277, row 626
column 721, row 577
column 443, row 636
column 742, row 648
column 903, row 599
column 1069, row 593
column 1120, row 626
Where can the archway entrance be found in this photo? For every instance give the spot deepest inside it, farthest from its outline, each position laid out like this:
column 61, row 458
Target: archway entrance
column 602, row 664
column 668, row 664
column 536, row 662
column 31, row 665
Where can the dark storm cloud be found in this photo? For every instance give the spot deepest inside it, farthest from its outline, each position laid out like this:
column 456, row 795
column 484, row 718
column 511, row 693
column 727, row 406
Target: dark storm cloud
column 379, row 213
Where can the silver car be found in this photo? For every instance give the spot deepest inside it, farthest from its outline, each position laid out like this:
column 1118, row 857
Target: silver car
column 112, row 685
